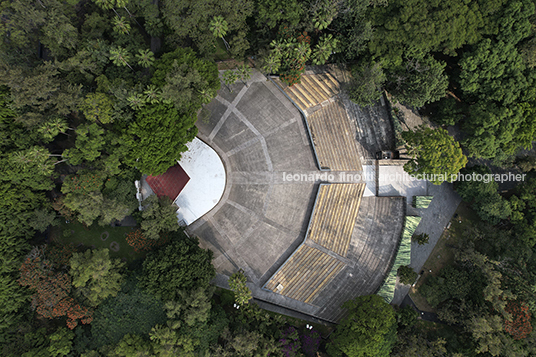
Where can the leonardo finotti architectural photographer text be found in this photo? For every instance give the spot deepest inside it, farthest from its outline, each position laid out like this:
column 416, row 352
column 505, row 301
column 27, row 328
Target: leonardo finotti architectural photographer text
column 401, row 177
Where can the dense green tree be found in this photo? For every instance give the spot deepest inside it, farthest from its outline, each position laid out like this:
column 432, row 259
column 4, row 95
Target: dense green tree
column 493, row 71
column 183, row 77
column 452, row 282
column 132, row 345
column 229, row 78
column 219, row 27
column 362, row 332
column 145, row 58
column 448, row 111
column 326, row 45
column 271, row 14
column 244, row 72
column 244, row 344
column 474, row 189
column 42, row 218
column 32, row 168
column 450, row 25
column 156, row 140
column 120, row 57
column 366, row 84
column 51, row 128
column 482, row 191
column 97, row 107
column 159, row 216
column 60, row 342
column 95, row 275
column 88, row 206
column 190, row 20
column 89, row 143
column 237, row 283
column 406, row 274
column 420, row 81
column 121, row 25
column 132, row 311
column 180, row 265
column 322, row 13
column 355, row 26
column 434, row 152
column 418, row 345
column 38, row 91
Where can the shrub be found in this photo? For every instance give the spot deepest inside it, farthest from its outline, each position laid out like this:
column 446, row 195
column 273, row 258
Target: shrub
column 421, row 239
column 290, row 342
column 407, row 275
column 310, row 340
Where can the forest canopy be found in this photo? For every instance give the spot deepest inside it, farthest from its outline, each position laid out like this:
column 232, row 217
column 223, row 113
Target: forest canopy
column 94, row 94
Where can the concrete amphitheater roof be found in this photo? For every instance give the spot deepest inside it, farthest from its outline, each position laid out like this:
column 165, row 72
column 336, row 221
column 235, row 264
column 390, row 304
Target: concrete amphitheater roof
column 272, row 183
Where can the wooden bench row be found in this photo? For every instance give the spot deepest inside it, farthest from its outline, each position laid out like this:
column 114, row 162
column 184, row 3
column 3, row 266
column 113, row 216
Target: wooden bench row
column 305, row 274
column 334, row 138
column 312, row 90
column 334, row 217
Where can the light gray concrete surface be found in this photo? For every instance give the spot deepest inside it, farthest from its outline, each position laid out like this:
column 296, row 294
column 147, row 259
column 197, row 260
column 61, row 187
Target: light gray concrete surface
column 272, row 180
column 263, row 215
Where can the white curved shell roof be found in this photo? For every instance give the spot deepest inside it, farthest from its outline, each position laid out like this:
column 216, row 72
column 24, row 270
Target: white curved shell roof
column 206, row 185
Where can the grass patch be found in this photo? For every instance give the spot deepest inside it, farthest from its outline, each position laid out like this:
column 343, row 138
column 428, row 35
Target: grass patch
column 403, row 257
column 91, row 236
column 443, row 252
column 221, row 53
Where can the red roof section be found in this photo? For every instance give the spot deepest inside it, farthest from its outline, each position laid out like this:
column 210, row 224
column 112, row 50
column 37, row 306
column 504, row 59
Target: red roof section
column 169, row 183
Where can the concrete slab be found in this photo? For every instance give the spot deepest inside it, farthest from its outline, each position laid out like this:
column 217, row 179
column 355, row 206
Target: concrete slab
column 394, row 181
column 210, row 116
column 233, row 133
column 234, row 221
column 286, row 152
column 264, row 245
column 251, row 196
column 260, row 106
column 249, row 159
column 289, row 204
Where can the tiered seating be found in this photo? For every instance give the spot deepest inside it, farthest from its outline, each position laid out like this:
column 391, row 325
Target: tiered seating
column 333, row 220
column 304, row 274
column 312, row 90
column 334, row 138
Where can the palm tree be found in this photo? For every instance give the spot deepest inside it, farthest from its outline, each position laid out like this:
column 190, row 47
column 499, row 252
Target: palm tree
column 324, row 48
column 152, row 94
column 245, row 73
column 136, row 101
column 229, row 78
column 272, row 62
column 219, row 27
column 120, row 57
column 121, row 25
column 145, row 58
column 52, row 128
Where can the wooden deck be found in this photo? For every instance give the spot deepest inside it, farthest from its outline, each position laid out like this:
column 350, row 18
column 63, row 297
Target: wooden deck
column 312, row 90
column 333, row 220
column 334, row 138
column 304, row 274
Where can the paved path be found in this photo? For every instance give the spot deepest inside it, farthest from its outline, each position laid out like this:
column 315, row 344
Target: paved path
column 424, row 315
column 435, row 219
